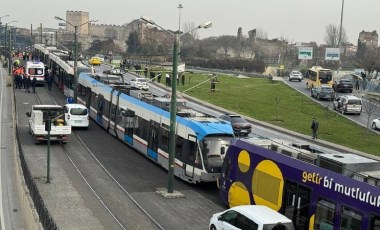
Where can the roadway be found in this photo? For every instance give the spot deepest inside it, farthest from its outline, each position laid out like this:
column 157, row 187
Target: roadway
column 10, row 212
column 361, row 119
column 100, row 183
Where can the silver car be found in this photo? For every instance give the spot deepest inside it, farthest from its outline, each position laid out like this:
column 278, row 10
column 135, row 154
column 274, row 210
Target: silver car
column 295, row 75
column 323, row 92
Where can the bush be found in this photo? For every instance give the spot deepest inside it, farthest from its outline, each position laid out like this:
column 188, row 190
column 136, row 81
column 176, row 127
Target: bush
column 229, row 64
column 5, row 63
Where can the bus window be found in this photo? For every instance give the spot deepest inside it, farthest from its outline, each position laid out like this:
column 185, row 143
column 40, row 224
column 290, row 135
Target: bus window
column 350, row 219
column 324, row 216
column 375, row 222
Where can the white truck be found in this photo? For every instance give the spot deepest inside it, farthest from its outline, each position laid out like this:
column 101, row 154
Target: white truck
column 39, row 117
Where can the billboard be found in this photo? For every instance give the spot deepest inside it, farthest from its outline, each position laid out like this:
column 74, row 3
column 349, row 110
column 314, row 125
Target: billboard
column 305, row 53
column 332, row 54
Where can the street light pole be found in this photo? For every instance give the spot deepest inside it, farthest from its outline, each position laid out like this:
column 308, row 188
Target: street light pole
column 75, row 65
column 173, row 103
column 173, row 115
column 75, row 83
column 1, row 31
column 340, row 34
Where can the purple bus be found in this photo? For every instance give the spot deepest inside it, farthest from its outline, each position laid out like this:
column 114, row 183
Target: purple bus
column 287, row 179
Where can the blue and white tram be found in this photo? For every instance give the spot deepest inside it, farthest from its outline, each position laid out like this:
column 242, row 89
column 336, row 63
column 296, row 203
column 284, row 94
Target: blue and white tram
column 201, row 141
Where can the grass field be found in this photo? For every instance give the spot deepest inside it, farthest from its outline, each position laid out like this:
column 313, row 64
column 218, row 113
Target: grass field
column 280, row 105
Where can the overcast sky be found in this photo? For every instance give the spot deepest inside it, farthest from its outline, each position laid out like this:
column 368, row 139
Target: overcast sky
column 295, row 20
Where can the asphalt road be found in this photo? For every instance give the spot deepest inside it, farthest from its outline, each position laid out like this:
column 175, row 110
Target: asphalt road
column 359, row 119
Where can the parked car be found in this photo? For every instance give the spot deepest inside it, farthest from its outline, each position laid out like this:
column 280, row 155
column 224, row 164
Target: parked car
column 116, row 71
column 348, row 104
column 76, row 115
column 238, row 123
column 100, row 56
column 343, row 85
column 139, row 83
column 295, row 75
column 323, row 92
column 376, row 123
column 94, row 61
column 258, row 217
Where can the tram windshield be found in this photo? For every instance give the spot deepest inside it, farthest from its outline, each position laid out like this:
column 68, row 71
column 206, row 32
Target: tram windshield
column 213, row 150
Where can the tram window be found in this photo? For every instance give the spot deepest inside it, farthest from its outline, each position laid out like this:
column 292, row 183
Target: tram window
column 375, row 222
column 164, row 140
column 106, row 108
column 120, row 118
column 179, row 147
column 350, row 219
column 324, row 215
column 93, row 100
column 144, row 129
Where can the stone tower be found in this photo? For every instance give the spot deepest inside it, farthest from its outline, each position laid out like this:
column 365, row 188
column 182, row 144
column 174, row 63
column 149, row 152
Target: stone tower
column 369, row 38
column 77, row 18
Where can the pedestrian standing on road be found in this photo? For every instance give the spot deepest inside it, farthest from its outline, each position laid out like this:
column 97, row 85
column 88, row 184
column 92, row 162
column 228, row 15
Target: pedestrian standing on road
column 34, row 83
column 183, row 79
column 49, row 80
column 27, row 84
column 167, row 79
column 314, row 128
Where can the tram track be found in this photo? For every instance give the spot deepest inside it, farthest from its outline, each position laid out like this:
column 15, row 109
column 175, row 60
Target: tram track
column 76, row 163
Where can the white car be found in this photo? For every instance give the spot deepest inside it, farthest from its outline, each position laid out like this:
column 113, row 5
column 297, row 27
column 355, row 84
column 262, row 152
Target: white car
column 295, row 75
column 101, row 56
column 376, row 123
column 258, row 217
column 139, row 83
column 77, row 115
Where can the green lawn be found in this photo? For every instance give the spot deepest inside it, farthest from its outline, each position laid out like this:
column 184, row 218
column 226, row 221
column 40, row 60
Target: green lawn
column 280, row 105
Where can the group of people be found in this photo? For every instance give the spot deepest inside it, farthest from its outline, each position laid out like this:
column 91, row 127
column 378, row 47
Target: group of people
column 23, row 80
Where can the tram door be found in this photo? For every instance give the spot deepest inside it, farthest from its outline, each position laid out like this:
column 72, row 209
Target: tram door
column 191, row 156
column 154, row 128
column 297, row 204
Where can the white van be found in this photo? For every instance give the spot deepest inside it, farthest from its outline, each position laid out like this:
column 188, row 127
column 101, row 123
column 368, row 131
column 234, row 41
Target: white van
column 348, row 104
column 258, row 217
column 36, row 69
column 76, row 115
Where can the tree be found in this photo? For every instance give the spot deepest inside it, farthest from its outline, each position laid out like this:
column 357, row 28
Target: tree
column 332, row 35
column 133, row 42
column 226, row 42
column 369, row 108
column 370, row 61
column 189, row 28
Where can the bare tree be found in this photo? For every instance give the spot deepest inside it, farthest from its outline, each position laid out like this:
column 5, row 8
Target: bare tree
column 188, row 27
column 261, row 33
column 227, row 42
column 370, row 61
column 278, row 100
column 332, row 35
column 369, row 108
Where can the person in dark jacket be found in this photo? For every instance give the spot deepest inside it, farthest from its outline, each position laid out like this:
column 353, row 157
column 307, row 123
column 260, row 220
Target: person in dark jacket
column 27, row 84
column 49, row 79
column 314, row 128
column 34, row 83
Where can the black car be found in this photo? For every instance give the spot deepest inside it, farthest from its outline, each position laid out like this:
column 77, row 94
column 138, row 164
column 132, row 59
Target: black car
column 343, row 85
column 238, row 123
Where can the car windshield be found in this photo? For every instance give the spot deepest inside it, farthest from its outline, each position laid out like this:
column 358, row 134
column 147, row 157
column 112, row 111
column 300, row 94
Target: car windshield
column 296, row 73
column 345, row 81
column 78, row 111
column 237, row 119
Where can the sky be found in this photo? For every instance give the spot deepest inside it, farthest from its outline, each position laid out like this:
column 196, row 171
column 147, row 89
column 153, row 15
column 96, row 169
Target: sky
column 294, row 20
